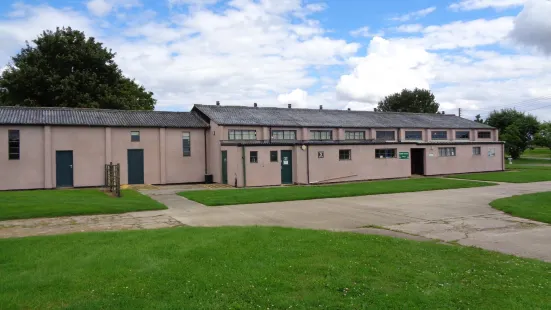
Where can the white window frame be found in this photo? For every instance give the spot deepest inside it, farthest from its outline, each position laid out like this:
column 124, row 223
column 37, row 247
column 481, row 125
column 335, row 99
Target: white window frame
column 447, row 152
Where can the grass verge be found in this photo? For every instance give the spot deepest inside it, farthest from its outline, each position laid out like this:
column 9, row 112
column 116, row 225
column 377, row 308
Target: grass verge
column 51, row 203
column 523, row 175
column 273, row 194
column 260, row 268
column 535, row 207
column 538, row 152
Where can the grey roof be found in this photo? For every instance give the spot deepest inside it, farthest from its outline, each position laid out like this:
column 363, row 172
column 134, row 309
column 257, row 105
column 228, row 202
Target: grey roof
column 98, row 117
column 284, row 117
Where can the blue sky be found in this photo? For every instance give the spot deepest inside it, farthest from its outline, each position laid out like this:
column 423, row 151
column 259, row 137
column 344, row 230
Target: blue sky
column 473, row 54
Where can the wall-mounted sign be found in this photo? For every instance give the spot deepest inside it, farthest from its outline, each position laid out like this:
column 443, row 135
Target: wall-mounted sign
column 403, row 155
column 285, row 161
column 320, row 154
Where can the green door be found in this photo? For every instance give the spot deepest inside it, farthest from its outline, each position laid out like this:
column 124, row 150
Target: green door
column 286, row 167
column 224, row 167
column 64, row 168
column 135, row 167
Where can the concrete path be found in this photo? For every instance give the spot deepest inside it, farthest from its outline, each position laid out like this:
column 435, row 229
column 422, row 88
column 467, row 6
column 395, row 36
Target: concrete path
column 459, row 215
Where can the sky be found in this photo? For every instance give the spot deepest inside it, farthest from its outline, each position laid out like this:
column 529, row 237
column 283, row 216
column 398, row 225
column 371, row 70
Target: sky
column 477, row 55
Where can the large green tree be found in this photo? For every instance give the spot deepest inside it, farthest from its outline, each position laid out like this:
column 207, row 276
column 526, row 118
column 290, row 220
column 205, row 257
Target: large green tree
column 63, row 68
column 417, row 100
column 518, row 129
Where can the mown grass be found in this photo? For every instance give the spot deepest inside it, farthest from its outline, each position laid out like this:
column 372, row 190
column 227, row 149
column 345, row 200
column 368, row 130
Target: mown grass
column 261, row 268
column 273, row 194
column 531, row 206
column 538, row 152
column 52, row 203
column 514, row 174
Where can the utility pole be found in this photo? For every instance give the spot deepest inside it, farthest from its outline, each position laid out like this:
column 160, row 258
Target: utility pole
column 459, row 112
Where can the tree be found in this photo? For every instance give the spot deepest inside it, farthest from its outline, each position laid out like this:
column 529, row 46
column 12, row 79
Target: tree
column 417, row 100
column 514, row 146
column 526, row 126
column 543, row 137
column 478, row 119
column 66, row 69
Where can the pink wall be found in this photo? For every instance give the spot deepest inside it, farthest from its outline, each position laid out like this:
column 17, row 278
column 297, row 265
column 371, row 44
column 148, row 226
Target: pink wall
column 235, row 165
column 92, row 148
column 464, row 161
column 188, row 169
column 28, row 171
column 265, row 172
column 88, row 146
column 362, row 166
column 149, row 142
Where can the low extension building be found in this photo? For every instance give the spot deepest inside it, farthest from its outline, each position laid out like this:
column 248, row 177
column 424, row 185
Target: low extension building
column 236, row 145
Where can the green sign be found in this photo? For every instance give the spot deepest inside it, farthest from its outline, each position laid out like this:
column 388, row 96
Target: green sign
column 404, row 155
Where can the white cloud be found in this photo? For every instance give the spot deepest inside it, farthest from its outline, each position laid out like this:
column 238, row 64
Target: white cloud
column 414, row 15
column 361, row 32
column 532, row 27
column 470, row 5
column 409, row 28
column 465, row 34
column 298, row 98
column 388, row 67
column 104, row 7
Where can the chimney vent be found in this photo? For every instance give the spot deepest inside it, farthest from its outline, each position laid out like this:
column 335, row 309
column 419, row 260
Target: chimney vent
column 321, row 107
column 255, row 105
column 289, row 105
column 443, row 112
column 217, row 102
column 348, row 109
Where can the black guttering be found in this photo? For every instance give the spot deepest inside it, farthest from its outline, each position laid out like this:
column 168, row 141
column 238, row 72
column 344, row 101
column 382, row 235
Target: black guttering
column 346, row 142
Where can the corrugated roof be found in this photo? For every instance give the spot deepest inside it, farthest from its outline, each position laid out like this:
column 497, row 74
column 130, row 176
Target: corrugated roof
column 98, row 117
column 284, row 117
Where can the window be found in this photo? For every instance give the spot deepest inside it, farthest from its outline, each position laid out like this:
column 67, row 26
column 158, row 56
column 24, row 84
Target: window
column 135, row 136
column 414, row 135
column 385, row 153
column 242, row 135
column 13, row 144
column 446, row 151
column 462, row 135
column 439, row 135
column 484, row 135
column 345, row 154
column 476, row 150
column 273, row 156
column 253, row 157
column 385, row 135
column 186, row 143
column 321, row 134
column 354, row 135
column 284, row 135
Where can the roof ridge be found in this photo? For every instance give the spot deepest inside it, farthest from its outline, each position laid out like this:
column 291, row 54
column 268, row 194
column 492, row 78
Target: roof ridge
column 321, row 110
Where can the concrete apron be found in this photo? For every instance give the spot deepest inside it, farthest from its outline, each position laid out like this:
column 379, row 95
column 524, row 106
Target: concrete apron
column 460, row 216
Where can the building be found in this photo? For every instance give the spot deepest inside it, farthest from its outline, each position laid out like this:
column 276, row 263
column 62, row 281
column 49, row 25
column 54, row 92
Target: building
column 240, row 146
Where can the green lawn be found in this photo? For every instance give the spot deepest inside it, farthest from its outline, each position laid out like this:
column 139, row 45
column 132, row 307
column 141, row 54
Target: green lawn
column 537, row 152
column 50, row 203
column 531, row 206
column 540, row 161
column 523, row 175
column 261, row 268
column 260, row 195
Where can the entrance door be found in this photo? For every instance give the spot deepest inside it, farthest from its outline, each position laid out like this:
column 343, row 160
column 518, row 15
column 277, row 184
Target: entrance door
column 64, row 168
column 135, row 167
column 286, row 167
column 418, row 161
column 224, row 167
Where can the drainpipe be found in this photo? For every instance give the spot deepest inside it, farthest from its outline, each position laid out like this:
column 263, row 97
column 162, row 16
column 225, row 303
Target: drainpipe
column 206, row 162
column 307, row 164
column 244, row 167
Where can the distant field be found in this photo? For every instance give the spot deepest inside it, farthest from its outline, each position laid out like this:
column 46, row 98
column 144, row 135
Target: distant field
column 538, row 152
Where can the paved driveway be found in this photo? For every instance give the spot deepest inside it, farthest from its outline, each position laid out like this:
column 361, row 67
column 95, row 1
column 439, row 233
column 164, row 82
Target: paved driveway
column 460, row 215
